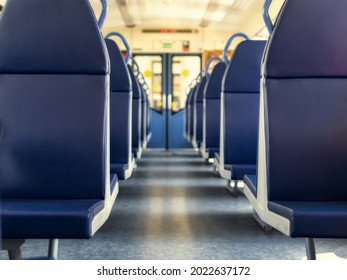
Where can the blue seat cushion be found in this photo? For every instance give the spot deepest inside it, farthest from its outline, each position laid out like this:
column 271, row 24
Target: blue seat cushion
column 48, row 218
column 212, row 152
column 318, row 219
column 119, row 169
column 251, row 182
column 238, row 171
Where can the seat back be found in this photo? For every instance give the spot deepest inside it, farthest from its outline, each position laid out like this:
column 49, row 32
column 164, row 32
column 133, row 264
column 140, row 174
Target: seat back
column 303, row 125
column 148, row 118
column 198, row 112
column 120, row 106
column 186, row 116
column 191, row 113
column 136, row 112
column 240, row 104
column 211, row 108
column 54, row 101
column 143, row 116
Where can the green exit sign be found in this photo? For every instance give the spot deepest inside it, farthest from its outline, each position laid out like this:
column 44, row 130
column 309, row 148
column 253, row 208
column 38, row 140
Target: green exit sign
column 167, row 45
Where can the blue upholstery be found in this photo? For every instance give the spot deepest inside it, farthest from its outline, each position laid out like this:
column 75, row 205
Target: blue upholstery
column 148, row 117
column 324, row 219
column 120, row 80
column 241, row 128
column 198, row 111
column 40, row 39
column 306, row 119
column 186, row 113
column 143, row 116
column 308, row 56
column 149, row 114
column 243, row 72
column 238, row 171
column 191, row 113
column 211, row 152
column 212, row 109
column 120, row 111
column 136, row 113
column 214, row 84
column 314, row 138
column 240, row 89
column 251, row 182
column 53, row 118
column 24, row 218
column 52, row 155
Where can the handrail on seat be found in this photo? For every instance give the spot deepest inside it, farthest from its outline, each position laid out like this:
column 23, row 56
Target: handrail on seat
column 125, row 42
column 210, row 62
column 137, row 70
column 231, row 39
column 266, row 16
column 103, row 14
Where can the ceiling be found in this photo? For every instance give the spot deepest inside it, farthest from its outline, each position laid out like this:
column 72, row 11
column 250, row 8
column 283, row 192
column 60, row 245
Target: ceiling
column 180, row 13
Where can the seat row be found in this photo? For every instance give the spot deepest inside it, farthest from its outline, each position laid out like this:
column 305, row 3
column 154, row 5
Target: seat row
column 73, row 118
column 287, row 145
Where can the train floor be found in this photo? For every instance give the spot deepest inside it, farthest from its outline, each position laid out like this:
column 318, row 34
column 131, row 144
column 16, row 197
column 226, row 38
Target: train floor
column 174, row 207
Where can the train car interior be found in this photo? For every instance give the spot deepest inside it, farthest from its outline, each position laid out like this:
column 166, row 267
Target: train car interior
column 173, row 130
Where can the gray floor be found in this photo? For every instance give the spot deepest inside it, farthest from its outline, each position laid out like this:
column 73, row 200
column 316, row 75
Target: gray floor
column 175, row 208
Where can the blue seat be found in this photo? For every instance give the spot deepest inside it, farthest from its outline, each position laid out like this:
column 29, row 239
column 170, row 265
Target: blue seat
column 136, row 115
column 240, row 112
column 302, row 162
column 211, row 113
column 54, row 174
column 122, row 160
column 198, row 113
column 190, row 114
column 147, row 132
column 148, row 120
column 143, row 132
column 186, row 115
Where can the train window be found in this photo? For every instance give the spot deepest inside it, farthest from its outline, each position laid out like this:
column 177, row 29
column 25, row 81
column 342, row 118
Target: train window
column 184, row 69
column 152, row 69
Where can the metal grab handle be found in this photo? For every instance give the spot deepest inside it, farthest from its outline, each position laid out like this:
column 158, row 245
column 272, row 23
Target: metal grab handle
column 209, row 63
column 231, row 39
column 103, row 14
column 190, row 86
column 197, row 79
column 137, row 66
column 125, row 42
column 141, row 77
column 266, row 16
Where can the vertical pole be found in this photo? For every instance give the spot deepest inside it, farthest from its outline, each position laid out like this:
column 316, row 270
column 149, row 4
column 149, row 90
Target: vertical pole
column 13, row 247
column 15, row 254
column 53, row 248
column 310, row 249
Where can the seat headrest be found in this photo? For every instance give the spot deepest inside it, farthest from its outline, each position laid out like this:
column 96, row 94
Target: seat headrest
column 308, row 40
column 196, row 88
column 201, row 88
column 59, row 46
column 191, row 95
column 213, row 88
column 119, row 76
column 135, row 83
column 143, row 93
column 243, row 72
